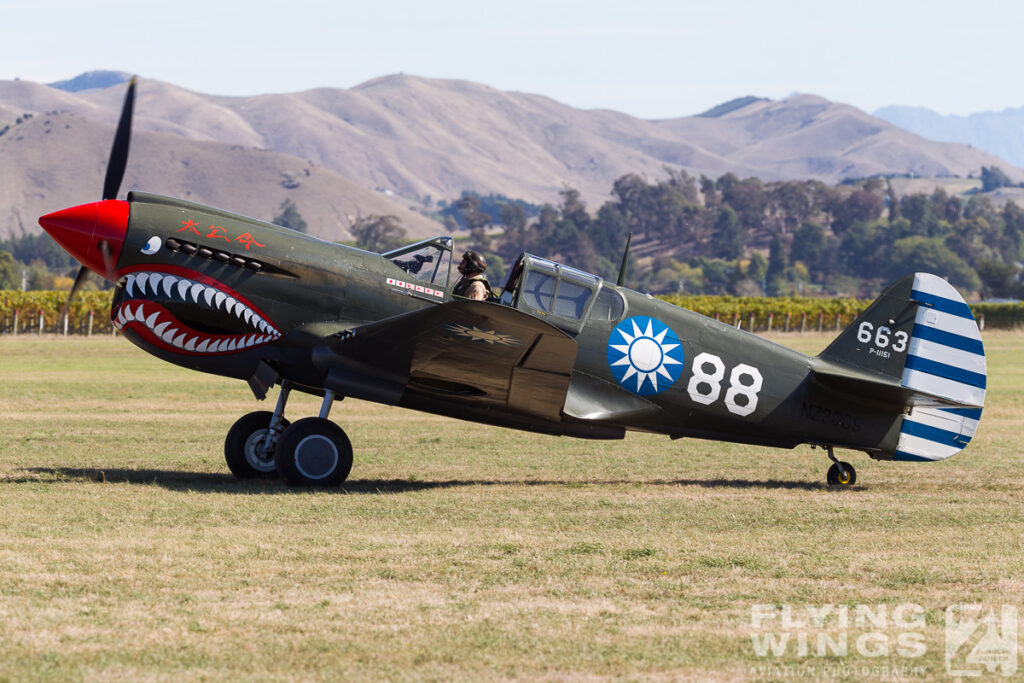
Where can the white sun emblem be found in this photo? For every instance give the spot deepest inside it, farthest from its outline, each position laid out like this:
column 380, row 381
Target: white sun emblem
column 486, row 336
column 646, row 355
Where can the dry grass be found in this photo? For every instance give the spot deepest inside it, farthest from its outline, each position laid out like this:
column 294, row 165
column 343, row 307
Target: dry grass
column 128, row 552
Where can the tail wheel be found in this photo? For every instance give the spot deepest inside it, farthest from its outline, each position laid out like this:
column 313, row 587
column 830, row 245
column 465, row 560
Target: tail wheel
column 841, row 474
column 314, row 452
column 245, row 448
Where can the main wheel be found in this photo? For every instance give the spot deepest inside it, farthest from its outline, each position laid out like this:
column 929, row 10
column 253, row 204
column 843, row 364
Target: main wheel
column 314, row 452
column 244, row 449
column 837, row 477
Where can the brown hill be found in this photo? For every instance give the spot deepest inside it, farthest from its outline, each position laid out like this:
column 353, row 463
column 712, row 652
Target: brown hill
column 421, row 138
column 55, row 160
column 806, row 136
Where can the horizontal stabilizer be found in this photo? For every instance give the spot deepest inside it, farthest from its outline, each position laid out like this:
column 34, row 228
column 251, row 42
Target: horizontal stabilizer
column 936, row 433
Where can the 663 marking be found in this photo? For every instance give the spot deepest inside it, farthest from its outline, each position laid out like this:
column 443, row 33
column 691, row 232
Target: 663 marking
column 881, row 338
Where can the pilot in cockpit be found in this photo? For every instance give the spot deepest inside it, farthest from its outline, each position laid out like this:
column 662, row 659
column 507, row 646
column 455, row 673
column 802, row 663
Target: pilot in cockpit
column 473, row 284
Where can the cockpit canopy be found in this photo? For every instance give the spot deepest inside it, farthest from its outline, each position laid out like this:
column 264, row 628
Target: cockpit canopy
column 565, row 296
column 560, row 293
column 428, row 261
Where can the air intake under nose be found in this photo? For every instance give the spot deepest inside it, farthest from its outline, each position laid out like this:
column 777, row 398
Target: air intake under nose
column 92, row 233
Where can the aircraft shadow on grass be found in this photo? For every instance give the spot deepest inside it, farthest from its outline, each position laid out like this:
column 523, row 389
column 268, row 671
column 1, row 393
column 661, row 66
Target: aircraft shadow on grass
column 209, row 482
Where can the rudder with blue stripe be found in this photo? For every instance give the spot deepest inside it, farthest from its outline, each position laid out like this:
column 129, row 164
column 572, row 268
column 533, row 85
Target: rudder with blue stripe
column 945, row 361
column 920, row 339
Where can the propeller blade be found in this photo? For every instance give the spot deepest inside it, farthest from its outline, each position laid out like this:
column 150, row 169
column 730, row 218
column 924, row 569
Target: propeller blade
column 79, row 279
column 119, row 151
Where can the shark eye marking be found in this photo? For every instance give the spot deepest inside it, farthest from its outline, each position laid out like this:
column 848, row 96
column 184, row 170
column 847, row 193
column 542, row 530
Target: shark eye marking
column 152, row 246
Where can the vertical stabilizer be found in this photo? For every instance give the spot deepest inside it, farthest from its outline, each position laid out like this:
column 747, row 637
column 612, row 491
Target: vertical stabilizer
column 920, row 340
column 945, row 359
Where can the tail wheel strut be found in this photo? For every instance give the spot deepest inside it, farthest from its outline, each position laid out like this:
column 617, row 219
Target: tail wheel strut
column 840, row 473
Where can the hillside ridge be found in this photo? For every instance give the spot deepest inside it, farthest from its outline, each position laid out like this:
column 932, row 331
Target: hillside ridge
column 409, row 141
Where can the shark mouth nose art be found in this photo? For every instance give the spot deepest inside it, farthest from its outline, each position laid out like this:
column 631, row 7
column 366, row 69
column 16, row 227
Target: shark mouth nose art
column 190, row 314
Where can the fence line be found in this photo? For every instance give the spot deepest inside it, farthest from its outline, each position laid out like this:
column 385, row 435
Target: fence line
column 41, row 313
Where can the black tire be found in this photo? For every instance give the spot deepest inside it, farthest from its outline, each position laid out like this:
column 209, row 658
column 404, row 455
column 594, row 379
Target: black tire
column 835, row 476
column 314, row 452
column 240, row 447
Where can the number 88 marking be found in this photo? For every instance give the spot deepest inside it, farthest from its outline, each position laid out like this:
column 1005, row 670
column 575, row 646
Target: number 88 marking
column 711, row 382
column 738, row 389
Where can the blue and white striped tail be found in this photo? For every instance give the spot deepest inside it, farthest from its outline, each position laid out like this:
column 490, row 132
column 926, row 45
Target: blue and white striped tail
column 936, row 433
column 946, row 369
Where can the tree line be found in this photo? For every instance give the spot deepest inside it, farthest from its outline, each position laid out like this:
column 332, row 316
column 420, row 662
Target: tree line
column 702, row 236
column 748, row 237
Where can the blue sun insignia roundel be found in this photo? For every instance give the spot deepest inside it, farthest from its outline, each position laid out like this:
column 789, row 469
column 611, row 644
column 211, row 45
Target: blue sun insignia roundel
column 645, row 355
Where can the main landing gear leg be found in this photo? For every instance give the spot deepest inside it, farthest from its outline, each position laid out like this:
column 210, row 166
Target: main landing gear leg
column 314, row 451
column 250, row 443
column 841, row 473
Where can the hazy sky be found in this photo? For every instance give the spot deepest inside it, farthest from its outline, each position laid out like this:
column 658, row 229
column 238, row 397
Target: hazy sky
column 644, row 57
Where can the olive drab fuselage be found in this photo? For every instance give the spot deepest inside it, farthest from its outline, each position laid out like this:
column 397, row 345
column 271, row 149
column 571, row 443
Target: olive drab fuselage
column 717, row 382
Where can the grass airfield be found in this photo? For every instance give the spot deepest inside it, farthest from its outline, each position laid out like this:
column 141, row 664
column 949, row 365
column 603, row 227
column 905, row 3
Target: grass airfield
column 455, row 550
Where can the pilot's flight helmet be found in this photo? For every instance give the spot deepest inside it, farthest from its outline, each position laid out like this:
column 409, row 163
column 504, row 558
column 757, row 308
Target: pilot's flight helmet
column 474, row 261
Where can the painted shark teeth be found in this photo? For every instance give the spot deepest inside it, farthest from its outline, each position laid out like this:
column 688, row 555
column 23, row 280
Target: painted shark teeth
column 169, row 281
column 175, row 288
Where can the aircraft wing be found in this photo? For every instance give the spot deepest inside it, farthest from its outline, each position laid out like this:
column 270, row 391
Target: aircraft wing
column 470, row 352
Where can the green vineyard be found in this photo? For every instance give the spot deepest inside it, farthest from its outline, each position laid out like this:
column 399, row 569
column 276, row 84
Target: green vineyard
column 40, row 312
column 803, row 314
